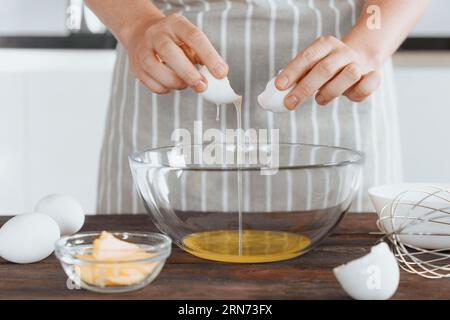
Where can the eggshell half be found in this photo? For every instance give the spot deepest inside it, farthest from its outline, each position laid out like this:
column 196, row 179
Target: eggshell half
column 219, row 91
column 65, row 210
column 272, row 99
column 375, row 276
column 28, row 238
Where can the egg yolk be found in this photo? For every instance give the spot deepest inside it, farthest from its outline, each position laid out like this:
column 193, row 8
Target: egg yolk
column 250, row 246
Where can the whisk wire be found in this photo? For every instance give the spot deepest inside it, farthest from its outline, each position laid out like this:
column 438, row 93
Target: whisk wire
column 400, row 220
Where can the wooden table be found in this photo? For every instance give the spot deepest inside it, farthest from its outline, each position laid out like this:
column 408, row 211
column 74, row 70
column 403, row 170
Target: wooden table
column 187, row 277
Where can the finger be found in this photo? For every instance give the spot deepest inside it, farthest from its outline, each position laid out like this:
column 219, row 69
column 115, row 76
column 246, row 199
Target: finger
column 175, row 58
column 350, row 75
column 319, row 75
column 303, row 62
column 190, row 54
column 152, row 84
column 160, row 72
column 195, row 39
column 365, row 87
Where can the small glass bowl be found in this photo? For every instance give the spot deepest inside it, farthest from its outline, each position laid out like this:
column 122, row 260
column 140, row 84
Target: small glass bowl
column 111, row 276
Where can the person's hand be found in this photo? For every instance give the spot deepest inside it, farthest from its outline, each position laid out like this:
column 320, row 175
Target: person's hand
column 162, row 52
column 328, row 69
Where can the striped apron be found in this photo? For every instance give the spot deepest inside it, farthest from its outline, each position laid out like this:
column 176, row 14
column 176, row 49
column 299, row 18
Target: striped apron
column 256, row 38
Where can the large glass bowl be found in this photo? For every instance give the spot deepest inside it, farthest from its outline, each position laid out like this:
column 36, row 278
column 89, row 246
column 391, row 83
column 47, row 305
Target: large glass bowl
column 273, row 202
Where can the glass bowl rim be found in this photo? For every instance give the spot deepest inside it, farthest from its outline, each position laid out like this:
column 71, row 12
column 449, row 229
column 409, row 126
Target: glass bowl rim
column 360, row 157
column 161, row 251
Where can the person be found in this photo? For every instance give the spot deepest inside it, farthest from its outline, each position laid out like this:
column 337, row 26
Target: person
column 336, row 53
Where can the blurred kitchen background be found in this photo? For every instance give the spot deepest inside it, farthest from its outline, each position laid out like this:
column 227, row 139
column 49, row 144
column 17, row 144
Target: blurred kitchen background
column 56, row 63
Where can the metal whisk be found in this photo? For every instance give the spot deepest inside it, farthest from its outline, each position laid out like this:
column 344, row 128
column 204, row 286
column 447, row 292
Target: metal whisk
column 417, row 225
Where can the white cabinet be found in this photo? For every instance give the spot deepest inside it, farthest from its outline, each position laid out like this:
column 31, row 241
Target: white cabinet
column 52, row 115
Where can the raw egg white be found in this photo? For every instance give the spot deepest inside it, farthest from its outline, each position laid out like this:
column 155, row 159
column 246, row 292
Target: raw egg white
column 28, row 238
column 65, row 210
column 272, row 99
column 375, row 276
column 219, row 91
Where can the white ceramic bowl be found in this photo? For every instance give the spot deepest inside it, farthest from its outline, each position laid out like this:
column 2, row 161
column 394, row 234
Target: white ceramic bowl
column 425, row 234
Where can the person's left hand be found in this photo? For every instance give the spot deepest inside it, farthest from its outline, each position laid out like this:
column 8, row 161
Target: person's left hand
column 328, row 68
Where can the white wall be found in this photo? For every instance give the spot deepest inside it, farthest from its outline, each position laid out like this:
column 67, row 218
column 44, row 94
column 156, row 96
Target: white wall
column 19, row 17
column 52, row 114
column 423, row 83
column 53, row 105
column 434, row 23
column 31, row 17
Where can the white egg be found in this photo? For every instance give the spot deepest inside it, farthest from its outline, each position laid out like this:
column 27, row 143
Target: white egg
column 28, row 238
column 375, row 276
column 219, row 91
column 272, row 99
column 65, row 210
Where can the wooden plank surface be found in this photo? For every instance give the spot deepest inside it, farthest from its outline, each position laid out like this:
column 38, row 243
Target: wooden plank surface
column 187, row 277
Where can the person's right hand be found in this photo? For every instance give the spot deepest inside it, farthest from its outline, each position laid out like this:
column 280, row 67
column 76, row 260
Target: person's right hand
column 162, row 52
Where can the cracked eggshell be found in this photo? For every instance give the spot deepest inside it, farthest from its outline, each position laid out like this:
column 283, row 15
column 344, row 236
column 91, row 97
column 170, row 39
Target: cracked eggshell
column 374, row 276
column 218, row 91
column 28, row 238
column 272, row 99
column 65, row 210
